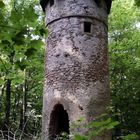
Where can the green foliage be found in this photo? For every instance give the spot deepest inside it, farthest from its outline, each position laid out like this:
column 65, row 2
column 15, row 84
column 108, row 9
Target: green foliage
column 99, row 126
column 21, row 61
column 1, row 4
column 79, row 137
column 130, row 137
column 124, row 42
column 137, row 2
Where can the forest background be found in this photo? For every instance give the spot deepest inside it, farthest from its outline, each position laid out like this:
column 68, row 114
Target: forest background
column 22, row 41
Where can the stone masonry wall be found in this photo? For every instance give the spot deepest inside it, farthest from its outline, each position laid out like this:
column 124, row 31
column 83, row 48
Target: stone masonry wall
column 76, row 69
column 65, row 8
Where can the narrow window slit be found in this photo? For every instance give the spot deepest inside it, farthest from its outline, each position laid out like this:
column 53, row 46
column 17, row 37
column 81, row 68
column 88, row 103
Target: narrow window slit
column 51, row 3
column 87, row 27
column 98, row 2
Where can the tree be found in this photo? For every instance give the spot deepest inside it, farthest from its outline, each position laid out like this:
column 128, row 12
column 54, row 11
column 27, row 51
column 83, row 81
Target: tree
column 125, row 66
column 21, row 69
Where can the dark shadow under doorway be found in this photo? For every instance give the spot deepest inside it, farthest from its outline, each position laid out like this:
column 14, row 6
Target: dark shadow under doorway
column 59, row 122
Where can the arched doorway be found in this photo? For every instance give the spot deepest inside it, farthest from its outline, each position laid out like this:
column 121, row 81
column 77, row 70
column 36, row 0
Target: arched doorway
column 59, row 122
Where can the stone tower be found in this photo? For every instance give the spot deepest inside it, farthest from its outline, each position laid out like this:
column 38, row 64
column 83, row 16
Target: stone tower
column 76, row 63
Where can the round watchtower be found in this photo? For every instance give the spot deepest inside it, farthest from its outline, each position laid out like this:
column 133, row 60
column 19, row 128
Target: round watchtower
column 76, row 64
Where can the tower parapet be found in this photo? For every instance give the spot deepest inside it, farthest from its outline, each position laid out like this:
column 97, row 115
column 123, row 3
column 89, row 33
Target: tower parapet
column 57, row 9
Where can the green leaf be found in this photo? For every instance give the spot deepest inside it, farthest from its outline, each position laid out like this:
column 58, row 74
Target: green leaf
column 21, row 64
column 30, row 52
column 36, row 44
column 1, row 4
column 112, row 125
column 2, row 81
column 79, row 137
column 130, row 137
column 138, row 53
column 15, row 18
column 137, row 2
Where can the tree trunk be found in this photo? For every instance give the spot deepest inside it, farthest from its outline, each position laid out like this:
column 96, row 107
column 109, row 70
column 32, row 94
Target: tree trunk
column 8, row 103
column 23, row 116
column 6, row 124
column 24, row 105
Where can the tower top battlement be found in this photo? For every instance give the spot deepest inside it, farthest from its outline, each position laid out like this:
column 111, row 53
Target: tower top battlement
column 58, row 9
column 45, row 2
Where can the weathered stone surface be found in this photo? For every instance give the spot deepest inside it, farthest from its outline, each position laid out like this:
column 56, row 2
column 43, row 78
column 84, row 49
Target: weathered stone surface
column 108, row 4
column 76, row 62
column 75, row 8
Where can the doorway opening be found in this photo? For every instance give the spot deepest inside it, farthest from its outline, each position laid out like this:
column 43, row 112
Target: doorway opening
column 51, row 3
column 59, row 122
